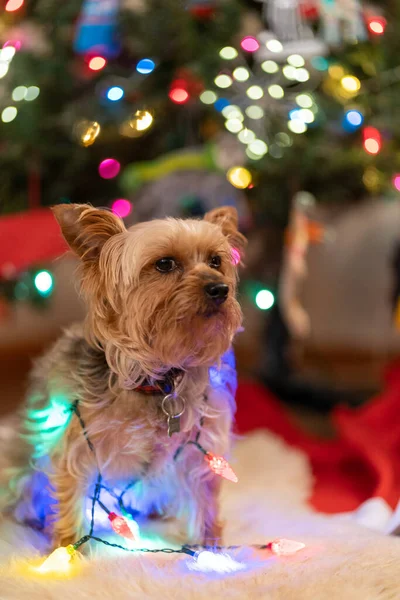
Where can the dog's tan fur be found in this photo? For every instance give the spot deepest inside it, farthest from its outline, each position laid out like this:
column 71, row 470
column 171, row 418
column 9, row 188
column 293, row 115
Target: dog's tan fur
column 140, row 324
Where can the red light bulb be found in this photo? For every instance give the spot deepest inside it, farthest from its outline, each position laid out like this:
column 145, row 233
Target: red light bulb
column 96, row 63
column 220, row 467
column 372, row 140
column 178, row 95
column 124, row 527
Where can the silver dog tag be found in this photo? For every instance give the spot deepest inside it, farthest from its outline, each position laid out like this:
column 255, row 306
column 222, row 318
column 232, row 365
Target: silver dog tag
column 174, row 407
column 174, row 425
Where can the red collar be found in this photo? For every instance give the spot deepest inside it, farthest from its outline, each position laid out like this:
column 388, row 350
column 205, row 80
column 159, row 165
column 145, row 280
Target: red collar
column 162, row 386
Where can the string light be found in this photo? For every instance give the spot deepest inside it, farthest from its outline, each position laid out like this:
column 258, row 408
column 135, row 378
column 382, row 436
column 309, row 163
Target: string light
column 3, row 69
column 283, row 139
column 86, row 132
column 7, row 53
column 350, row 84
column 128, row 529
column 320, row 63
column 43, row 282
column 223, row 81
column 255, row 92
column 265, row 299
column 284, row 547
column 289, row 72
column 228, row 53
column 115, row 93
column 296, row 60
column 141, row 121
column 121, row 207
column 19, row 93
column 241, row 74
column 336, row 71
column 234, row 125
column 178, row 95
column 208, row 97
column 302, row 75
column 396, row 181
column 97, row 63
column 306, row 115
column 274, row 46
column 297, row 126
column 246, row 136
column 372, row 140
column 59, row 561
column 211, row 562
column 232, row 112
column 221, row 103
column 270, row 66
column 352, row 120
column 304, row 100
column 220, row 466
column 254, row 112
column 239, row 177
column 13, row 5
column 276, row 91
column 32, row 93
column 258, row 147
column 109, row 168
column 377, row 25
column 250, row 44
column 145, row 66
column 8, row 114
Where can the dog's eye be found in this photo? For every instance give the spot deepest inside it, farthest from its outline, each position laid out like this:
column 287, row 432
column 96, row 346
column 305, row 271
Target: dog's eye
column 166, row 265
column 215, row 262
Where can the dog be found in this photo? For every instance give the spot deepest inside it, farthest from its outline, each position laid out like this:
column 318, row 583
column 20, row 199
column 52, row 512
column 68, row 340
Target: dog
column 162, row 314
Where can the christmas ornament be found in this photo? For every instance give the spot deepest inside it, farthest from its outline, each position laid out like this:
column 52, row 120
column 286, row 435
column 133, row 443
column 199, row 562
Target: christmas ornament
column 96, row 29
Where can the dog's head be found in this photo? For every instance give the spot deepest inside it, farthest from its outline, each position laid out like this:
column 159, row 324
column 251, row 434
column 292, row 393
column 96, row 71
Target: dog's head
column 161, row 293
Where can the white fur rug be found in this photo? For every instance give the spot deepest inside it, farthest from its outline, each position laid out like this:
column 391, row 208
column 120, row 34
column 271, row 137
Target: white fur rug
column 341, row 561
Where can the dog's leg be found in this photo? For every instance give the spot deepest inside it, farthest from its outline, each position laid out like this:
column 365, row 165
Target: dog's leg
column 69, row 494
column 213, row 526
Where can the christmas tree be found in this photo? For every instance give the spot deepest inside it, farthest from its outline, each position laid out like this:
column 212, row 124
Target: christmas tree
column 110, row 101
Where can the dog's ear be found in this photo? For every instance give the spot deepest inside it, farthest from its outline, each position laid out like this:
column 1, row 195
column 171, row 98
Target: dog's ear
column 227, row 218
column 86, row 229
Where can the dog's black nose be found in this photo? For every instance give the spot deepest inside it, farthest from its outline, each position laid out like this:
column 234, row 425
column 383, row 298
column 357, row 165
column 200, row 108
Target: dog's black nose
column 217, row 292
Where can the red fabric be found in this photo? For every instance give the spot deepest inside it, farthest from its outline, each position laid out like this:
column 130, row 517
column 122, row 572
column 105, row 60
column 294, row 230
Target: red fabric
column 362, row 462
column 29, row 238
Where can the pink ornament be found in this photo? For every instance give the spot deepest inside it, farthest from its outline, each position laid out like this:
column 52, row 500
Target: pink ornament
column 250, row 44
column 220, row 467
column 396, row 182
column 109, row 168
column 284, row 547
column 121, row 207
column 235, row 254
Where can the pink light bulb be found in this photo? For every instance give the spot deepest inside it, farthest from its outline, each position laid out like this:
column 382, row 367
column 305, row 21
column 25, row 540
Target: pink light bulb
column 250, row 44
column 109, row 168
column 121, row 207
column 284, row 547
column 396, row 181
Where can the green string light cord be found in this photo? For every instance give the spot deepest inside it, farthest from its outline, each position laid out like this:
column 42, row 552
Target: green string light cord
column 185, row 549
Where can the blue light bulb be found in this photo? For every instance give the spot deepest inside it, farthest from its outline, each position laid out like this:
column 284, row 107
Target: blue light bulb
column 115, row 93
column 145, row 66
column 352, row 120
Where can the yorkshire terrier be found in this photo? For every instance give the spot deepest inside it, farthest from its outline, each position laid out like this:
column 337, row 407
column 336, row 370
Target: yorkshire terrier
column 162, row 313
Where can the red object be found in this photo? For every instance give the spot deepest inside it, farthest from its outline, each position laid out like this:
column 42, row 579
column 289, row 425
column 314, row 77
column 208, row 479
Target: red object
column 121, row 526
column 29, row 238
column 309, row 10
column 220, row 466
column 363, row 462
column 96, row 63
column 13, row 5
column 178, row 95
column 377, row 25
column 372, row 140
